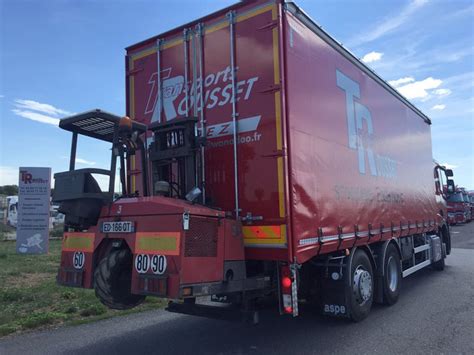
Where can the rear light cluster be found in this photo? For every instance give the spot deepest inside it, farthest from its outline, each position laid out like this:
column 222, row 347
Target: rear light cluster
column 286, row 285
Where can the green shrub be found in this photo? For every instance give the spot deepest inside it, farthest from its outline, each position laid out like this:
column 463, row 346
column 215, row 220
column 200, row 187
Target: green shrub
column 6, row 329
column 10, row 295
column 71, row 309
column 93, row 310
column 68, row 295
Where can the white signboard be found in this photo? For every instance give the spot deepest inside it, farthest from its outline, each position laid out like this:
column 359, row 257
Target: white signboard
column 34, row 189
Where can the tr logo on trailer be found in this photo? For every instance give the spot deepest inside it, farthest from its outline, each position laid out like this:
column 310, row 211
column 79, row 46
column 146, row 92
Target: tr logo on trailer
column 356, row 114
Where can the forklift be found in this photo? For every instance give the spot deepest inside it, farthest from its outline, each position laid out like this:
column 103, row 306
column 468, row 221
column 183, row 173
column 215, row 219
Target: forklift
column 166, row 241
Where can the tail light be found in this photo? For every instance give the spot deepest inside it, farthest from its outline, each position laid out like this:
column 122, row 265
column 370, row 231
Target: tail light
column 287, row 285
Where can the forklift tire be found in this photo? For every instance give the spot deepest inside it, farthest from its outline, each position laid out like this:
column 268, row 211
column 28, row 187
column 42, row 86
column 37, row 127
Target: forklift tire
column 392, row 278
column 112, row 281
column 362, row 286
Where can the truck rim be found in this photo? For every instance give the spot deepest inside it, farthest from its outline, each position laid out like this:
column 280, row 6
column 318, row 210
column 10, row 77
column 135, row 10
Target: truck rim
column 362, row 285
column 392, row 273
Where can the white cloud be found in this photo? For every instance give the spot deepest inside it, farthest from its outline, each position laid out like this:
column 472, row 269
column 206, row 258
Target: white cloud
column 40, row 112
column 40, row 107
column 419, row 89
column 35, row 116
column 372, row 57
column 8, row 175
column 401, row 81
column 389, row 24
column 439, row 107
column 469, row 10
column 449, row 166
column 84, row 161
column 442, row 92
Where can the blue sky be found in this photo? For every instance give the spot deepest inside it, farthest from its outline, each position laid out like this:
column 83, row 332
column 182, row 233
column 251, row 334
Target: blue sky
column 63, row 56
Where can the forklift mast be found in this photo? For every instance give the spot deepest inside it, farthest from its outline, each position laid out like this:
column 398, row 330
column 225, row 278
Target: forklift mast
column 174, row 156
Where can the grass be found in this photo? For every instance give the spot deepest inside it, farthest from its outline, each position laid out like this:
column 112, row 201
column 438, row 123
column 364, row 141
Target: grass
column 31, row 299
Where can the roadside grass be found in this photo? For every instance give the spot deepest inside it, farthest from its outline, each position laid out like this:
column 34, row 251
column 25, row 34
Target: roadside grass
column 31, row 299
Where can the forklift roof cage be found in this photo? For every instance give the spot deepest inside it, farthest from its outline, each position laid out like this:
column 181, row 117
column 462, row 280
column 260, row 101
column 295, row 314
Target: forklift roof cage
column 75, row 189
column 97, row 124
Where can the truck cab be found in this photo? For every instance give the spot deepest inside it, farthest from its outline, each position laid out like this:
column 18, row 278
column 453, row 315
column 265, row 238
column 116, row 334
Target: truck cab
column 467, row 205
column 457, row 208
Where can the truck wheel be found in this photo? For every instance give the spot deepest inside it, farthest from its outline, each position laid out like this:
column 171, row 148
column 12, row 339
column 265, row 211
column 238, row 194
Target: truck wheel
column 392, row 278
column 439, row 265
column 362, row 287
column 446, row 238
column 112, row 281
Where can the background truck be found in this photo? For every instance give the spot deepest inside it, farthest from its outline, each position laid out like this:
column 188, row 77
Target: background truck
column 459, row 207
column 258, row 159
column 12, row 211
column 471, row 201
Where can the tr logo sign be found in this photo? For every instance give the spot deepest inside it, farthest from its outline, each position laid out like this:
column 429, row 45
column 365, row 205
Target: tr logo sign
column 27, row 178
column 358, row 138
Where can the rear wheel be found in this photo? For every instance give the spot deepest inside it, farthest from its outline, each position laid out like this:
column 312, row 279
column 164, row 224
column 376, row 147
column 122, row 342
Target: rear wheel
column 392, row 277
column 362, row 286
column 446, row 238
column 439, row 265
column 112, row 281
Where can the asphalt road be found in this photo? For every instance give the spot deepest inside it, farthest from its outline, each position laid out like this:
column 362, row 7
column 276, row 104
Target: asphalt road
column 434, row 314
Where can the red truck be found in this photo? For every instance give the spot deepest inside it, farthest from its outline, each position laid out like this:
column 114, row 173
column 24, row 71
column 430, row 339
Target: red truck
column 471, row 201
column 467, row 204
column 459, row 207
column 258, row 158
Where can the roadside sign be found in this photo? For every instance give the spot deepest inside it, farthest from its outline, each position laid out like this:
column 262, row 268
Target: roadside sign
column 34, row 190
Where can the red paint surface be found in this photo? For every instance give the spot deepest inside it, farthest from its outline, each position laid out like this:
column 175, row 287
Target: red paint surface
column 324, row 191
column 328, row 190
column 254, row 77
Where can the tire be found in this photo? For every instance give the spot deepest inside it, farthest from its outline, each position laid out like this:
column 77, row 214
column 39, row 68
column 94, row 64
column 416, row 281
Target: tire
column 112, row 281
column 362, row 286
column 439, row 265
column 392, row 277
column 446, row 234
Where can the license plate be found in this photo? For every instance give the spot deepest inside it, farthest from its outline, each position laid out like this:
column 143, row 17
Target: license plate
column 118, row 227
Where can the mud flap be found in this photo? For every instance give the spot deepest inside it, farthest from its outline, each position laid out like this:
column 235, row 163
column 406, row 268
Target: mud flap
column 335, row 297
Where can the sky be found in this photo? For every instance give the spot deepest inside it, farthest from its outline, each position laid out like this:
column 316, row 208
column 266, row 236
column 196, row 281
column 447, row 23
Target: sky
column 60, row 57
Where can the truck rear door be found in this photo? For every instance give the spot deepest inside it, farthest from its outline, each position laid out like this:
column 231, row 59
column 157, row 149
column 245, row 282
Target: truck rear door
column 188, row 72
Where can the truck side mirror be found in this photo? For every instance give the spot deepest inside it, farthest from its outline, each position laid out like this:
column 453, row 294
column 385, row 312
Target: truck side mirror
column 449, row 172
column 451, row 187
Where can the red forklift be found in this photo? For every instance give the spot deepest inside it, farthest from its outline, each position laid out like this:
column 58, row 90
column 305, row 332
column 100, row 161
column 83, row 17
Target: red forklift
column 103, row 232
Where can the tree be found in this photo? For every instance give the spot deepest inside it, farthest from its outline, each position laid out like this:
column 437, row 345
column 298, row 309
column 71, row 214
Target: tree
column 9, row 190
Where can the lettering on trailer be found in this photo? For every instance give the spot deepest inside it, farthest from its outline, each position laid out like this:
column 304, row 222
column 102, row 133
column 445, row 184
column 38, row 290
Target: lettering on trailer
column 361, row 140
column 217, row 92
column 225, row 129
column 335, row 309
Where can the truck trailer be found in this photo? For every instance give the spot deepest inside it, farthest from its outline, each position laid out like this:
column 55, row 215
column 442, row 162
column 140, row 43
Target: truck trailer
column 259, row 159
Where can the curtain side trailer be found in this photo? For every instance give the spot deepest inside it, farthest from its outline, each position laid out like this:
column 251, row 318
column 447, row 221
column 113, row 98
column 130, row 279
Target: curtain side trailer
column 259, row 158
